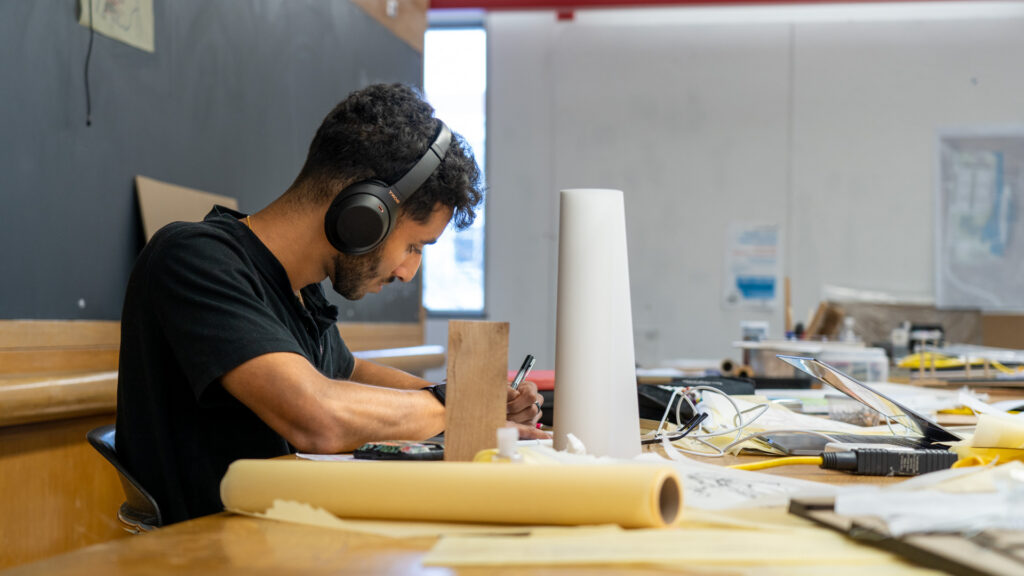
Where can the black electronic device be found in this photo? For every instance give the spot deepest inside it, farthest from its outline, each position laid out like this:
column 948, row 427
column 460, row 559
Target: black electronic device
column 399, row 450
column 881, row 462
column 363, row 214
column 653, row 399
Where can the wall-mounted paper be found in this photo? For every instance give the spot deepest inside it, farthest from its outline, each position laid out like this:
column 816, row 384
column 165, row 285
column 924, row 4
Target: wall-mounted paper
column 596, row 391
column 753, row 265
column 632, row 496
column 130, row 21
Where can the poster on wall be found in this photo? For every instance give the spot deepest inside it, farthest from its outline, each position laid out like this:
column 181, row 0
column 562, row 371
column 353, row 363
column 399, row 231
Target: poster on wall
column 129, row 21
column 753, row 265
column 979, row 228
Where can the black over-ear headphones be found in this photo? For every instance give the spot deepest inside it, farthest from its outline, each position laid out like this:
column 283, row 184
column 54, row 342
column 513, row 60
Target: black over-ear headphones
column 364, row 213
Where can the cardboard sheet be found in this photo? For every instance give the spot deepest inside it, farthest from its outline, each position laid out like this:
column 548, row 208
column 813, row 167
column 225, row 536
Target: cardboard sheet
column 162, row 203
column 632, row 496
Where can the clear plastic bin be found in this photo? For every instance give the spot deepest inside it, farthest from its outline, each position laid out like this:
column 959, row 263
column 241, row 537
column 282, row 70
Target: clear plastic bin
column 865, row 364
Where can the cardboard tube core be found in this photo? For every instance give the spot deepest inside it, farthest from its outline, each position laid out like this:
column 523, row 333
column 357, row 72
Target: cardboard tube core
column 727, row 366
column 670, row 500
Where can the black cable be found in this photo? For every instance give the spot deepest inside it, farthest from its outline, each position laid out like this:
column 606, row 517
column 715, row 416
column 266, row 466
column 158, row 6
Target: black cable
column 88, row 56
column 690, row 427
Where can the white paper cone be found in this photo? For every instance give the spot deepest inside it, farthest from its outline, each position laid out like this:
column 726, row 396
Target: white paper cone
column 595, row 390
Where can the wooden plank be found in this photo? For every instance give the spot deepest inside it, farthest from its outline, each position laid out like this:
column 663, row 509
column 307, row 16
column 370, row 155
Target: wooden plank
column 825, row 322
column 414, row 359
column 406, row 19
column 27, row 334
column 47, row 346
column 381, row 335
column 41, row 398
column 58, row 360
column 59, row 494
column 477, row 383
column 36, row 334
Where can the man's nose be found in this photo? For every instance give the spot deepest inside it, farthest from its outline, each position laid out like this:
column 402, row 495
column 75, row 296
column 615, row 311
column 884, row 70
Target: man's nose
column 407, row 269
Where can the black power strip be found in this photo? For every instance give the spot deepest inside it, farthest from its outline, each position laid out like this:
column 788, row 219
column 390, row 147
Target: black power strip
column 881, row 462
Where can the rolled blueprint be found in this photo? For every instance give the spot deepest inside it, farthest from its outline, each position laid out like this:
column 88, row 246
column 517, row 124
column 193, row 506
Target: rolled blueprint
column 630, row 495
column 595, row 389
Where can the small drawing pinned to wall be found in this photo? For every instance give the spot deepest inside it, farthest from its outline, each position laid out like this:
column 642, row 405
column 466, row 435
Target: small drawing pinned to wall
column 128, row 21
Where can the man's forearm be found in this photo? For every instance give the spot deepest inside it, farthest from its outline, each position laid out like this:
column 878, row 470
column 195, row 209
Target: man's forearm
column 317, row 414
column 368, row 372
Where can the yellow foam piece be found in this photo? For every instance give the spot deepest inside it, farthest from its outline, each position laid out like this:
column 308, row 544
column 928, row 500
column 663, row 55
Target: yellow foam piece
column 999, row 431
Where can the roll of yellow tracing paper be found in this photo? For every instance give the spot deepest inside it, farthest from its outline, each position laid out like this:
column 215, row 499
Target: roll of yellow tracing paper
column 632, row 496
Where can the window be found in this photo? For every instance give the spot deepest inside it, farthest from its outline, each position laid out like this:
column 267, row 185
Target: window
column 455, row 83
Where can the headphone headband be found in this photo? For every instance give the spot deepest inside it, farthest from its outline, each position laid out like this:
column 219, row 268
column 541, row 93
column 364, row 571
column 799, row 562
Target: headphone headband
column 425, row 166
column 364, row 213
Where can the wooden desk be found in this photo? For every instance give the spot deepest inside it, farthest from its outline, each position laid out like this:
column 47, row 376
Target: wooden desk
column 230, row 544
column 226, row 544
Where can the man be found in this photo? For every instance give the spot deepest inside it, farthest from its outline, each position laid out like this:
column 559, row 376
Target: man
column 229, row 348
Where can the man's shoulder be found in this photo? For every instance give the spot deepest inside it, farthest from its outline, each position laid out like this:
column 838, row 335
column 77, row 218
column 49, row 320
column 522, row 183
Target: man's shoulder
column 216, row 228
column 193, row 239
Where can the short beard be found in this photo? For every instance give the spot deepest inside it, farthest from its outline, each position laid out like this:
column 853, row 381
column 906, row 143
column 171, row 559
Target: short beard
column 352, row 275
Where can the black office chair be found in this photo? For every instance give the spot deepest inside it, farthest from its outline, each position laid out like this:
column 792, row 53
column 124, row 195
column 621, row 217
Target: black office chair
column 140, row 513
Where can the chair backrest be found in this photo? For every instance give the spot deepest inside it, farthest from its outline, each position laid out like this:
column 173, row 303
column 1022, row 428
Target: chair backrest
column 140, row 506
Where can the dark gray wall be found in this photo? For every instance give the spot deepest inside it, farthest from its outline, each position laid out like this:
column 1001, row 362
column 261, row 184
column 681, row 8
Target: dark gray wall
column 227, row 104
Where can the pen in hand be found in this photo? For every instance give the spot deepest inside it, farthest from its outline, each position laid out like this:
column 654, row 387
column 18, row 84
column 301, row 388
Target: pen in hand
column 524, row 371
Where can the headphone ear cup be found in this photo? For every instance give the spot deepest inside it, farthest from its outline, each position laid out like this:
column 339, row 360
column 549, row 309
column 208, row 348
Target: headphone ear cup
column 359, row 218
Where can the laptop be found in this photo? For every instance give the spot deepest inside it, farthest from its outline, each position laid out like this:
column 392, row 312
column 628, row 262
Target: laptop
column 920, row 432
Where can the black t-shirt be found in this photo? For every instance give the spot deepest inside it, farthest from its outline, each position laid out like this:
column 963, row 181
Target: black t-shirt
column 202, row 299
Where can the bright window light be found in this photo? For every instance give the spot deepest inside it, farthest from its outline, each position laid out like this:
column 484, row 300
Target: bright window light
column 455, row 83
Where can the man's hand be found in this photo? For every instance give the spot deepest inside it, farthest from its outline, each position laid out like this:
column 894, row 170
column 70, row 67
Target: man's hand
column 529, row 432
column 524, row 407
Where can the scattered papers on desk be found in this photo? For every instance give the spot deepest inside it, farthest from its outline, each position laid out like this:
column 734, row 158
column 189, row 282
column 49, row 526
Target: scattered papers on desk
column 713, row 487
column 763, row 542
column 961, row 500
column 774, row 418
column 710, row 486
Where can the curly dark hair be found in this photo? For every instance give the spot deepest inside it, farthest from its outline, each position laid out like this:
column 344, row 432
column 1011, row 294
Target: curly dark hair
column 380, row 132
